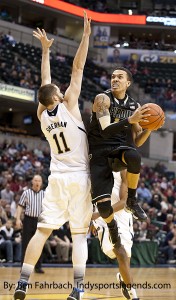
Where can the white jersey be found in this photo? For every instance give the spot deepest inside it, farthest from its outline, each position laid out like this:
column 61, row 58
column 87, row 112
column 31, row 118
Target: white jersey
column 67, row 139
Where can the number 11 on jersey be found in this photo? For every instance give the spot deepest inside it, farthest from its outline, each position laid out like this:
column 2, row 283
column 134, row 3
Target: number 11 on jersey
column 66, row 148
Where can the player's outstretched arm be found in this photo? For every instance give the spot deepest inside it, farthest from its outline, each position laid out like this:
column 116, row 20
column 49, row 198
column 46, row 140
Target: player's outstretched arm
column 74, row 89
column 45, row 64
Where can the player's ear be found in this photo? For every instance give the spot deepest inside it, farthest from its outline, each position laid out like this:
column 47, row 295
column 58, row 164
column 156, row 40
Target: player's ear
column 128, row 83
column 55, row 98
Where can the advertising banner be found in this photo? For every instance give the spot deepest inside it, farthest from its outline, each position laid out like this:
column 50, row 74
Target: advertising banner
column 16, row 92
column 101, row 35
column 115, row 55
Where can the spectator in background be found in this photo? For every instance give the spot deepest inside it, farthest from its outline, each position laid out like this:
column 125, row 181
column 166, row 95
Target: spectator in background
column 49, row 246
column 115, row 56
column 155, row 202
column 162, row 215
column 136, row 228
column 144, row 193
column 3, row 216
column 164, row 203
column 170, row 196
column 64, row 245
column 10, row 242
column 143, row 232
column 164, row 184
column 104, row 81
column 169, row 247
column 169, row 222
column 27, row 163
column 21, row 146
column 12, row 151
column 8, row 210
column 7, row 194
column 19, row 168
column 14, row 204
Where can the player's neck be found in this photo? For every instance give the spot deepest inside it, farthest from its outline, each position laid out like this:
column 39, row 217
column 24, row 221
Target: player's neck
column 119, row 95
column 51, row 107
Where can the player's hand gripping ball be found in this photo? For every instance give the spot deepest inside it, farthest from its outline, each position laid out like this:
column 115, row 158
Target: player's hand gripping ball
column 156, row 118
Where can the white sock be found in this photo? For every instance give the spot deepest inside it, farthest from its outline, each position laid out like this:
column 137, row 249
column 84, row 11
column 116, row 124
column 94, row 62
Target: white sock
column 79, row 258
column 26, row 271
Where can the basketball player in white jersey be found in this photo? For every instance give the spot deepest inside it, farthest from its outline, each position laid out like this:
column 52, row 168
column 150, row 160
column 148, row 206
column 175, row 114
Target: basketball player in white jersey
column 125, row 227
column 67, row 196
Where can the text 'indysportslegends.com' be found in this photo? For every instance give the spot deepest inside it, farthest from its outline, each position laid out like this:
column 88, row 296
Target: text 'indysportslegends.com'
column 54, row 285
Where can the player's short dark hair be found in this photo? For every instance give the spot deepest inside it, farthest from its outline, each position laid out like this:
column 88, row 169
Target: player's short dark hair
column 129, row 74
column 46, row 93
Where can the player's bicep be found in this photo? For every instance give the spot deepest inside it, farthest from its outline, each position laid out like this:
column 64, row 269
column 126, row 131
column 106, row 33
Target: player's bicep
column 101, row 105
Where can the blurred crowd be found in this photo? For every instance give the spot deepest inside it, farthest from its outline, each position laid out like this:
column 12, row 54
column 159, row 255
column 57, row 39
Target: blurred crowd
column 155, row 8
column 157, row 194
column 144, row 41
column 162, row 89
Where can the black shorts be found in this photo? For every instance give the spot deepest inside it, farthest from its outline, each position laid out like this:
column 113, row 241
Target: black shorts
column 101, row 167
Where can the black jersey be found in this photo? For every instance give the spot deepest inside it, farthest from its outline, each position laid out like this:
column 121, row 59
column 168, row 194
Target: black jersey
column 119, row 110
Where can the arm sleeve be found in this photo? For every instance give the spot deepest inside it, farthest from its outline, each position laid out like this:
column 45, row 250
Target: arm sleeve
column 114, row 128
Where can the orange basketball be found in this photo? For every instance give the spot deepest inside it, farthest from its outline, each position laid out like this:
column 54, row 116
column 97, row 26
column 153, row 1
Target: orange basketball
column 157, row 118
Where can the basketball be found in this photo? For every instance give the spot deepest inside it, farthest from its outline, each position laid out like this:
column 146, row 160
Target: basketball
column 157, row 118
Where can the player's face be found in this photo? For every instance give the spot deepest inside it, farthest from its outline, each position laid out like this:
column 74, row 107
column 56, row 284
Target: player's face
column 119, row 81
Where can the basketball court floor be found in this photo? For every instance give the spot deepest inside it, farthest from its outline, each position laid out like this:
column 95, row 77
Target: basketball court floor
column 100, row 283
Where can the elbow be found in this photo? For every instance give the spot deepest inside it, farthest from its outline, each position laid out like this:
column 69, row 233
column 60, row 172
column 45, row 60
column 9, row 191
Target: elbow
column 123, row 203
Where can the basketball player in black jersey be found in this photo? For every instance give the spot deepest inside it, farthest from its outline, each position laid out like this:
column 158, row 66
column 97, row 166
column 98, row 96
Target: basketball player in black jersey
column 113, row 129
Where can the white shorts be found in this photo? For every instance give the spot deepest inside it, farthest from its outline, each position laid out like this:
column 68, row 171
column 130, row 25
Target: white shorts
column 125, row 232
column 67, row 198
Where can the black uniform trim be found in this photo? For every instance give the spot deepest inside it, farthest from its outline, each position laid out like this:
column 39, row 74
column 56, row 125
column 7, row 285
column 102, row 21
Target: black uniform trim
column 52, row 113
column 82, row 129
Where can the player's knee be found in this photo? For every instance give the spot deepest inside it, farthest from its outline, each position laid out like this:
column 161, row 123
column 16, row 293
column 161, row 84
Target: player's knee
column 105, row 209
column 133, row 161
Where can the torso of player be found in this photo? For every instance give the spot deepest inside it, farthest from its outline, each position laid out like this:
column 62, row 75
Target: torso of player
column 67, row 139
column 122, row 215
column 119, row 110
